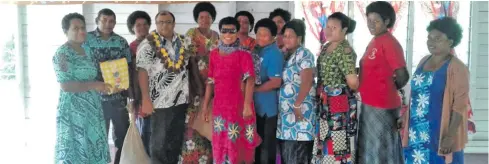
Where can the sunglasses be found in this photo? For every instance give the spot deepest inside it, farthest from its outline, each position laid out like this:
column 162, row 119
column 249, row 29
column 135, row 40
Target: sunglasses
column 228, row 30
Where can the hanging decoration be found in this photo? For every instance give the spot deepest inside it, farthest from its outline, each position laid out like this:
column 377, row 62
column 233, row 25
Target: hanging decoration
column 316, row 15
column 399, row 8
column 14, row 2
column 440, row 9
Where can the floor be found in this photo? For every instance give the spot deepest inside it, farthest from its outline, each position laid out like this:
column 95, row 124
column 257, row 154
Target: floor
column 469, row 158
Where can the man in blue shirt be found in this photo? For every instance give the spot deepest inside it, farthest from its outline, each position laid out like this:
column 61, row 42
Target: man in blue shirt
column 268, row 66
column 105, row 45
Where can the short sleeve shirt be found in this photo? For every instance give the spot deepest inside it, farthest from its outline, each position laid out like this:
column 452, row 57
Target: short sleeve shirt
column 335, row 66
column 383, row 56
column 271, row 66
column 166, row 89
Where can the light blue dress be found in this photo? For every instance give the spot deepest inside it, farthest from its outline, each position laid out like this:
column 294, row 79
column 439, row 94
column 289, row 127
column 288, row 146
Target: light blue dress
column 427, row 92
column 287, row 126
column 81, row 137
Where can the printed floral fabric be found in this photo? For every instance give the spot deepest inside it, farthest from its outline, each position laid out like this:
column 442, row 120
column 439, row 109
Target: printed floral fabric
column 80, row 126
column 287, row 127
column 166, row 88
column 195, row 147
column 335, row 139
column 248, row 44
column 234, row 138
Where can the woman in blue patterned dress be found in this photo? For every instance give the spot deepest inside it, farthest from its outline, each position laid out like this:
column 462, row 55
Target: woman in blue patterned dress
column 435, row 126
column 297, row 114
column 81, row 137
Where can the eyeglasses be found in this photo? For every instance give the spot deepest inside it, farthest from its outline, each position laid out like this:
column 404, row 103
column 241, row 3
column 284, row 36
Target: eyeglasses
column 228, row 30
column 164, row 22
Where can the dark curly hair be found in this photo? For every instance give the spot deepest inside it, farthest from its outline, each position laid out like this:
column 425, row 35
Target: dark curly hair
column 267, row 23
column 66, row 21
column 345, row 21
column 298, row 26
column 449, row 26
column 385, row 10
column 131, row 19
column 250, row 18
column 229, row 21
column 204, row 6
column 282, row 13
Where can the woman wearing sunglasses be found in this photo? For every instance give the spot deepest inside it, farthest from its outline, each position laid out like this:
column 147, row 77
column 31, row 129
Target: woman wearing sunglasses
column 234, row 137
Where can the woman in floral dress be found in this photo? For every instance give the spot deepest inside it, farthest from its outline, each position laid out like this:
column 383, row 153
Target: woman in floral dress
column 246, row 23
column 436, row 124
column 195, row 146
column 297, row 104
column 80, row 126
column 234, row 137
column 337, row 80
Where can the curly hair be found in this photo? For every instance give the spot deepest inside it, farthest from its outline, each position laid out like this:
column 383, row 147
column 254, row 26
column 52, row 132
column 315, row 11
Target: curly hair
column 267, row 23
column 66, row 21
column 282, row 13
column 385, row 10
column 449, row 26
column 204, row 6
column 229, row 21
column 131, row 19
column 246, row 14
column 298, row 26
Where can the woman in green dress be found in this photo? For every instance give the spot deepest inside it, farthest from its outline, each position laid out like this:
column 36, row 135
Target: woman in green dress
column 81, row 137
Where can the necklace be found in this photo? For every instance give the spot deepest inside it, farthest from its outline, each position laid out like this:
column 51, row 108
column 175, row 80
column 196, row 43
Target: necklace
column 173, row 65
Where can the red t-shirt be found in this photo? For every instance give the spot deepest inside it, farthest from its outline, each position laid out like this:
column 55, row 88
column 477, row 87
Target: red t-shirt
column 383, row 56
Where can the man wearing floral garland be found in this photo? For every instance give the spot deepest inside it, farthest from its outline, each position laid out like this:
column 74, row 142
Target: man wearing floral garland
column 162, row 60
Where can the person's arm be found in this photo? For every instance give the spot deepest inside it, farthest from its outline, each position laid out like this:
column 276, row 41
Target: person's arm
column 143, row 80
column 274, row 72
column 460, row 100
column 347, row 67
column 306, row 75
column 395, row 59
column 143, row 63
column 209, row 89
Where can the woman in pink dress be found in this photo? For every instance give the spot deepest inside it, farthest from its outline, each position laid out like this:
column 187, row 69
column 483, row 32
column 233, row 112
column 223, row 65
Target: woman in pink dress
column 234, row 137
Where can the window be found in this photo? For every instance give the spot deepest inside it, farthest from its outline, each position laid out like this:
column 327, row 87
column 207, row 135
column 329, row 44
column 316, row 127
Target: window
column 8, row 51
column 420, row 34
column 362, row 37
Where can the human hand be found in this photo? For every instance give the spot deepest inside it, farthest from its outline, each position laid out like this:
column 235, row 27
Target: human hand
column 247, row 111
column 102, row 87
column 298, row 113
column 147, row 107
column 446, row 145
column 205, row 112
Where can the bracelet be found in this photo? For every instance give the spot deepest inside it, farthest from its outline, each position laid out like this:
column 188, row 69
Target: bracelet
column 296, row 107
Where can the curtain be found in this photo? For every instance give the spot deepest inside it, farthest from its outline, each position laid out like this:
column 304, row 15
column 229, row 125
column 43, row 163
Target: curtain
column 399, row 8
column 316, row 15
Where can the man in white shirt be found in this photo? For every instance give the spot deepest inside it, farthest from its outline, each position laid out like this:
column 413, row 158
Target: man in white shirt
column 162, row 60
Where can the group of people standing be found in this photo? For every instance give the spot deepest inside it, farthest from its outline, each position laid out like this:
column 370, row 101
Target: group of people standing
column 263, row 96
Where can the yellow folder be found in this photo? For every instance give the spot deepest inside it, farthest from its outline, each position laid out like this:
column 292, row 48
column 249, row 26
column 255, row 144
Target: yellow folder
column 115, row 73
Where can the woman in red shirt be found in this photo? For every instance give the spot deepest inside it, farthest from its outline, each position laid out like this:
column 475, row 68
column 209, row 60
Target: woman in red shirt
column 382, row 72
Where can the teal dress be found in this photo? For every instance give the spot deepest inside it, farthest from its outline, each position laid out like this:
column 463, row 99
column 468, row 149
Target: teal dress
column 81, row 137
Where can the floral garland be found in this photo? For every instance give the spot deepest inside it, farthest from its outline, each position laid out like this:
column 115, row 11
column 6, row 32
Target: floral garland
column 170, row 64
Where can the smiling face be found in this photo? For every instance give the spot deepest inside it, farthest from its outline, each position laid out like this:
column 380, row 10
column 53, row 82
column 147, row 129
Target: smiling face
column 204, row 20
column 376, row 25
column 77, row 32
column 438, row 43
column 141, row 28
column 228, row 34
column 106, row 23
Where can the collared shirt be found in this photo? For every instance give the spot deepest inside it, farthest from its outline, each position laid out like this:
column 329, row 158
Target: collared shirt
column 271, row 65
column 166, row 89
column 115, row 47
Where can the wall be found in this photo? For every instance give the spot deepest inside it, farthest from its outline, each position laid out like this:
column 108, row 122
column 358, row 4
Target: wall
column 479, row 76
